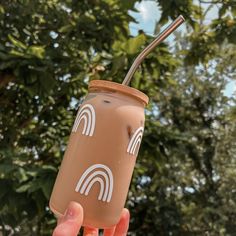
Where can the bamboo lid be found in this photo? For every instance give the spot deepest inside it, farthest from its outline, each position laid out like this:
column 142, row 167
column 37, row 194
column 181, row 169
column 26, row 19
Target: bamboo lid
column 116, row 87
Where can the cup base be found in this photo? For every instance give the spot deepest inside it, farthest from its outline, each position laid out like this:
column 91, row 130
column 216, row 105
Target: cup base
column 85, row 224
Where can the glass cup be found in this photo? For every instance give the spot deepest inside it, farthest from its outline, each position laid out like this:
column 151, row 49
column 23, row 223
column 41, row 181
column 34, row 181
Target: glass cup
column 99, row 160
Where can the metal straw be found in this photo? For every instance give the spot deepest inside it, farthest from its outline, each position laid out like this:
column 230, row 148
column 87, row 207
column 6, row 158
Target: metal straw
column 164, row 34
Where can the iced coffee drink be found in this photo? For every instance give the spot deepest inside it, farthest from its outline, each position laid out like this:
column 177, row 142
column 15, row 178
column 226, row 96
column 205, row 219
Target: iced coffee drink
column 99, row 160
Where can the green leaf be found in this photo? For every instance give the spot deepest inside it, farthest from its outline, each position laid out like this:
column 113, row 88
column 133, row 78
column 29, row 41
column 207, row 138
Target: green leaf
column 66, row 28
column 49, row 168
column 7, row 168
column 2, row 11
column 18, row 54
column 16, row 42
column 118, row 63
column 21, row 175
column 47, row 186
column 37, row 51
column 133, row 45
column 23, row 188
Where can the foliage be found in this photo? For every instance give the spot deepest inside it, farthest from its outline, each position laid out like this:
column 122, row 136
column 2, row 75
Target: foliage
column 183, row 183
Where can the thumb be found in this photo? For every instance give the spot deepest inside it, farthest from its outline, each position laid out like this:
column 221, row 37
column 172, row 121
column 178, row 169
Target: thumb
column 71, row 222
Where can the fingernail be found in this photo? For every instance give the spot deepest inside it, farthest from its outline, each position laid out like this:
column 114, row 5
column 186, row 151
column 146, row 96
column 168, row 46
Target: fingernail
column 70, row 212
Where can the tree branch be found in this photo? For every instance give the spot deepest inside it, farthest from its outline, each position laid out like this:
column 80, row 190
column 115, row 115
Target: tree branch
column 210, row 2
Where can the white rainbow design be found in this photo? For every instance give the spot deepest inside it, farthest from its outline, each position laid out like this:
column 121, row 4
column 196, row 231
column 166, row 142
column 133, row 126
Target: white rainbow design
column 86, row 113
column 88, row 179
column 135, row 141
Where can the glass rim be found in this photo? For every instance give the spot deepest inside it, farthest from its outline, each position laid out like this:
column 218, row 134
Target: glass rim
column 117, row 87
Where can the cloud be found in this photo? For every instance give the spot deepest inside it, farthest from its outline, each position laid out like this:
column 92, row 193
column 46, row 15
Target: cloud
column 148, row 10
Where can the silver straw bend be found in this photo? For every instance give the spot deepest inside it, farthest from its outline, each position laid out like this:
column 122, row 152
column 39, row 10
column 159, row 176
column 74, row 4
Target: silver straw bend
column 160, row 37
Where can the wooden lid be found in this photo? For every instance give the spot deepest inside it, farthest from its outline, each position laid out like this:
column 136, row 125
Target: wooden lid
column 116, row 87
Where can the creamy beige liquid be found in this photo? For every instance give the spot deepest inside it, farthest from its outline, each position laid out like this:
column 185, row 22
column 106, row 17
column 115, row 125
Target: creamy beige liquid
column 117, row 118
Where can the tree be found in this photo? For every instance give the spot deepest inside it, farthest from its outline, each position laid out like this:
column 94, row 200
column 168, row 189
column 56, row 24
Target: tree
column 184, row 180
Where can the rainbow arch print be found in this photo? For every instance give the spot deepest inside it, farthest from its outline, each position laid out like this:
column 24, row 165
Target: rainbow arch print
column 135, row 141
column 86, row 113
column 97, row 173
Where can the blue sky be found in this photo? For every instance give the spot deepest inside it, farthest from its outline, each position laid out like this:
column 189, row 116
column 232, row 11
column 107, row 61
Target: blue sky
column 147, row 16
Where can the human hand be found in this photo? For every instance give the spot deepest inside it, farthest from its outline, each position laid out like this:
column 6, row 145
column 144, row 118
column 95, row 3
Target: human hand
column 70, row 223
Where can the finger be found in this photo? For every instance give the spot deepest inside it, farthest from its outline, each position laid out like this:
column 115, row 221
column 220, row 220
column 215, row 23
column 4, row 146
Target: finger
column 123, row 224
column 90, row 231
column 71, row 222
column 109, row 232
column 59, row 219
